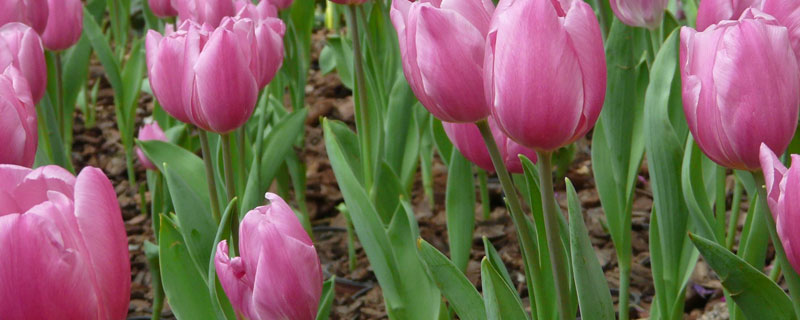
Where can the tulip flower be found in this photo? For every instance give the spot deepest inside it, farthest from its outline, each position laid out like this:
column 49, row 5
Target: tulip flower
column 787, row 12
column 21, row 47
column 30, row 12
column 467, row 138
column 204, row 11
column 148, row 132
column 211, row 77
column 713, row 11
column 783, row 188
column 269, row 31
column 545, row 71
column 435, row 34
column 277, row 274
column 740, row 88
column 640, row 13
column 260, row 11
column 64, row 24
column 18, row 126
column 64, row 245
column 162, row 8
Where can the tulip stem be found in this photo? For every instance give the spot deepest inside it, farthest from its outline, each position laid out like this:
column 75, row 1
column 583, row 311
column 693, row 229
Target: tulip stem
column 212, row 182
column 362, row 114
column 60, row 95
column 517, row 215
column 720, row 204
column 230, row 187
column 789, row 274
column 552, row 232
column 733, row 223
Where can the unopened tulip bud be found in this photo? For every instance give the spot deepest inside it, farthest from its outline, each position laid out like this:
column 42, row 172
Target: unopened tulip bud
column 162, row 8
column 64, row 243
column 148, row 132
column 740, row 88
column 64, row 24
column 640, row 13
column 21, row 47
column 545, row 71
column 18, row 126
column 277, row 274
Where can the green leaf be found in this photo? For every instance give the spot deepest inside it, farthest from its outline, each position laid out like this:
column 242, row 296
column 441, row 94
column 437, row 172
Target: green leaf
column 104, row 53
column 343, row 54
column 223, row 232
column 462, row 295
column 76, row 70
column 328, row 292
column 694, row 191
column 185, row 176
column 442, row 142
column 501, row 301
column 184, row 284
column 388, row 193
column 460, row 209
column 754, row 293
column 594, row 297
column 398, row 124
column 494, row 259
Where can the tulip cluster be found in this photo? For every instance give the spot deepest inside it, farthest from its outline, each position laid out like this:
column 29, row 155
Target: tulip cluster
column 64, row 245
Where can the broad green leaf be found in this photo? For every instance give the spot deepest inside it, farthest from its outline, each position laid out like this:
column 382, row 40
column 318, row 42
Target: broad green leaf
column 442, row 142
column 754, row 293
column 76, row 69
column 104, row 53
column 594, row 297
column 388, row 192
column 494, row 259
column 694, row 192
column 501, row 301
column 343, row 54
column 460, row 293
column 184, row 284
column 398, row 123
column 328, row 292
column 223, row 232
column 49, row 131
column 460, row 209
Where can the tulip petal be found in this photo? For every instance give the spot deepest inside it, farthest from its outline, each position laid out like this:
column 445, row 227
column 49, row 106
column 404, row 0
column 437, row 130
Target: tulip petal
column 235, row 280
column 166, row 71
column 774, row 172
column 787, row 221
column 64, row 28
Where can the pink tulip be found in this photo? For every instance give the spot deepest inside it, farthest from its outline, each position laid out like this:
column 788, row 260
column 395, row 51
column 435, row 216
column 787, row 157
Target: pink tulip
column 18, row 126
column 468, row 140
column 64, row 24
column 783, row 188
column 713, row 11
column 640, row 13
column 148, row 132
column 64, row 246
column 162, row 8
column 204, row 11
column 545, row 71
column 277, row 274
column 269, row 31
column 21, row 47
column 442, row 45
column 211, row 77
column 260, row 11
column 787, row 12
column 31, row 12
column 740, row 88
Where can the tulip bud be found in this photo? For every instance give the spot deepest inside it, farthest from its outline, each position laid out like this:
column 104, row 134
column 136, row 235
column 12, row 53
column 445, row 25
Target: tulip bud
column 162, row 8
column 66, row 239
column 18, row 126
column 740, row 88
column 21, row 47
column 269, row 31
column 30, row 12
column 640, row 13
column 468, row 140
column 783, row 197
column 148, row 132
column 204, row 11
column 545, row 71
column 277, row 274
column 434, row 34
column 64, row 24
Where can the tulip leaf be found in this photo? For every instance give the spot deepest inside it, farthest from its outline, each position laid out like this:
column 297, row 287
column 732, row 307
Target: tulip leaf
column 388, row 193
column 694, row 192
column 343, row 54
column 594, row 297
column 460, row 293
column 223, row 232
column 184, row 284
column 328, row 292
column 501, row 301
column 442, row 142
column 460, row 209
column 757, row 296
column 112, row 70
column 76, row 70
column 495, row 260
column 185, row 176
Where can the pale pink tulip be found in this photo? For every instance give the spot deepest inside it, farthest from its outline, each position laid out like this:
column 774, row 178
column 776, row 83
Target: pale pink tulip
column 64, row 24
column 740, row 88
column 64, row 244
column 260, row 11
column 545, row 71
column 31, row 12
column 787, row 12
column 640, row 13
column 783, row 197
column 442, row 45
column 204, row 11
column 468, row 140
column 151, row 131
column 162, row 8
column 18, row 134
column 277, row 274
column 21, row 47
column 269, row 31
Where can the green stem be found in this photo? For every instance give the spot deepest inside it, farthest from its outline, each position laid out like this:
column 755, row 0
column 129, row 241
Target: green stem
column 733, row 223
column 483, row 185
column 212, row 181
column 775, row 272
column 230, row 187
column 719, row 206
column 240, row 145
column 60, row 95
column 624, row 290
column 362, row 115
column 553, row 232
column 789, row 274
column 515, row 209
